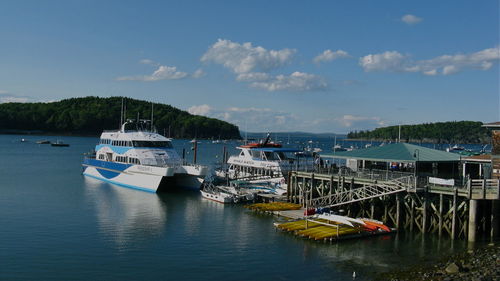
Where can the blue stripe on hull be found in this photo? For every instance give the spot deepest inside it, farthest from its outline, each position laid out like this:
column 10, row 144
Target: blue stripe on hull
column 120, row 184
column 97, row 164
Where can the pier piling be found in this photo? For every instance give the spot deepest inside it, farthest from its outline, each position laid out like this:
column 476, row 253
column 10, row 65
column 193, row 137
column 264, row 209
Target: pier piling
column 472, row 220
column 458, row 211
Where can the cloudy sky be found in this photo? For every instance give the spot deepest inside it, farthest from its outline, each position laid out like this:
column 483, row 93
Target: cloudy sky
column 315, row 66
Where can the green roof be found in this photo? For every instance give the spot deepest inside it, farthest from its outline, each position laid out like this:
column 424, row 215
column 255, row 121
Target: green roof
column 397, row 152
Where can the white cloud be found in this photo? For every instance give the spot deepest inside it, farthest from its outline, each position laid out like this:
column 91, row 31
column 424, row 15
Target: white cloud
column 432, row 72
column 350, row 121
column 297, row 81
column 252, row 64
column 255, row 119
column 329, row 55
column 6, row 97
column 249, row 118
column 253, row 76
column 411, row 19
column 244, row 58
column 162, row 73
column 390, row 60
column 445, row 65
column 149, row 62
column 203, row 109
column 198, row 73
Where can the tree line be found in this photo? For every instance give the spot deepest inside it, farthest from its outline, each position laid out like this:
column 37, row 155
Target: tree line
column 92, row 115
column 441, row 132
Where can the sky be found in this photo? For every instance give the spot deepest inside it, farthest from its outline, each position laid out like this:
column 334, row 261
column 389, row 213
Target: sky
column 277, row 66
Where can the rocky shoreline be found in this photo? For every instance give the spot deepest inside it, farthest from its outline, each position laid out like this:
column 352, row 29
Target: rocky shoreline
column 482, row 264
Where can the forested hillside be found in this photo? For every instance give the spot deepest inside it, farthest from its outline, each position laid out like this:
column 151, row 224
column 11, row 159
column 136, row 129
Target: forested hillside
column 441, row 132
column 91, row 115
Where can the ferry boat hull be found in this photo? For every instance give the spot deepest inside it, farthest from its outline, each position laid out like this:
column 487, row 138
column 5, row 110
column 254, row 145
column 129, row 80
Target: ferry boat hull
column 142, row 177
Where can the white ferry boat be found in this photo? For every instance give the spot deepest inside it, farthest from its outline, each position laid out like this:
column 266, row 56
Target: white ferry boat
column 141, row 159
column 267, row 159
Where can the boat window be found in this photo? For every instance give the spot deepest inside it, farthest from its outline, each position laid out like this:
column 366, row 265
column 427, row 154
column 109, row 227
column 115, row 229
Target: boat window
column 270, row 156
column 255, row 154
column 121, row 159
column 242, row 154
column 162, row 144
column 281, row 155
column 133, row 160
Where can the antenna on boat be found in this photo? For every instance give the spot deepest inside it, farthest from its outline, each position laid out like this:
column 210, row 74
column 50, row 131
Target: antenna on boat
column 268, row 137
column 152, row 114
column 137, row 123
column 399, row 136
column 335, row 144
column 246, row 132
column 121, row 114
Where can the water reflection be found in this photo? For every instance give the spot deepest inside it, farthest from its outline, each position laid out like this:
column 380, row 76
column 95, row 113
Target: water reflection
column 196, row 218
column 126, row 216
column 382, row 253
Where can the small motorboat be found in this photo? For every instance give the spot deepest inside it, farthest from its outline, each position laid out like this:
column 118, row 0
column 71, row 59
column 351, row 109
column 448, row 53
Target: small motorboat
column 59, row 143
column 43, row 142
column 218, row 196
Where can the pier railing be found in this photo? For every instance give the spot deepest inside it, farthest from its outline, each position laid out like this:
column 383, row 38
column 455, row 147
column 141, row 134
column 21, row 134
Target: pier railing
column 476, row 189
column 365, row 192
column 371, row 174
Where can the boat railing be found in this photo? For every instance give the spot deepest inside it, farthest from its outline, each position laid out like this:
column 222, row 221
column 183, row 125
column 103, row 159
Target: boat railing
column 197, row 166
column 256, row 177
column 159, row 162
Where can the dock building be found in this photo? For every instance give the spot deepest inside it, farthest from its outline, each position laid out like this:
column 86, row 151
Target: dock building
column 408, row 186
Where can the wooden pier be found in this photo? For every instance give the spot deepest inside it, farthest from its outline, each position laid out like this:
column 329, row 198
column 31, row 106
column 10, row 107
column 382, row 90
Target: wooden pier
column 402, row 200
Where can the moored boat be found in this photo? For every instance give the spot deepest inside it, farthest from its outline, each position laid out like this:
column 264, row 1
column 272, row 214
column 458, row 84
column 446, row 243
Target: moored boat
column 59, row 143
column 221, row 197
column 225, row 194
column 141, row 159
column 266, row 160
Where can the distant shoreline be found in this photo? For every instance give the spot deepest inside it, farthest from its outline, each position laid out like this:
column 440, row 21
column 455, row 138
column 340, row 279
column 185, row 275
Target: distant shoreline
column 42, row 133
column 433, row 141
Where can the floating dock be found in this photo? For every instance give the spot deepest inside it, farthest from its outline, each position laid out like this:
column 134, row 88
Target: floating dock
column 324, row 230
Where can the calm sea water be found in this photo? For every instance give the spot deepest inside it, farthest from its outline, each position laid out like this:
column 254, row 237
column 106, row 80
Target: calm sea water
column 56, row 224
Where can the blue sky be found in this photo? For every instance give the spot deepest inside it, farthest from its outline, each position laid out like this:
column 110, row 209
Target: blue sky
column 315, row 66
